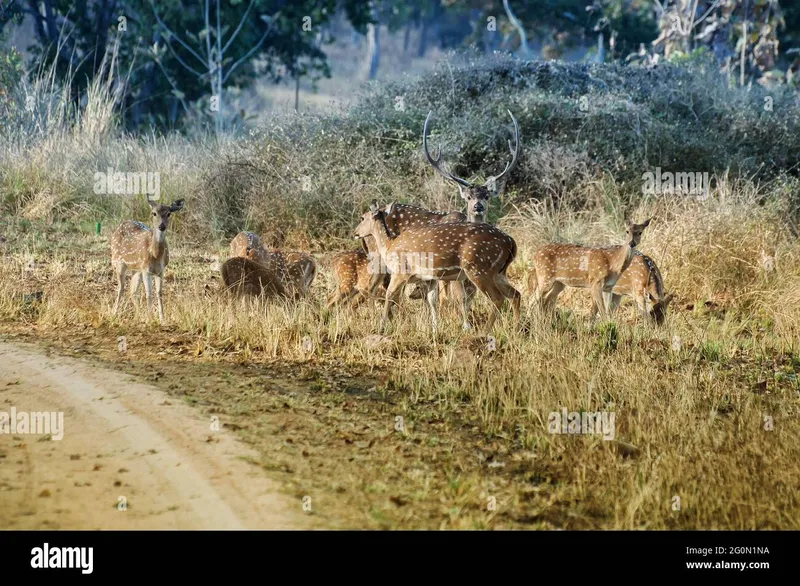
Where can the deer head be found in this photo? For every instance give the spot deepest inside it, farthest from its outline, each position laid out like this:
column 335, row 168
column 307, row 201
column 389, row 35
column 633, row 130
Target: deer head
column 161, row 214
column 634, row 232
column 476, row 196
column 659, row 311
column 372, row 223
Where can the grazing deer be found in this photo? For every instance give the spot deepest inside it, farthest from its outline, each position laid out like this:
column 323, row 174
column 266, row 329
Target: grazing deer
column 598, row 268
column 641, row 280
column 140, row 248
column 295, row 269
column 244, row 277
column 454, row 251
column 243, row 242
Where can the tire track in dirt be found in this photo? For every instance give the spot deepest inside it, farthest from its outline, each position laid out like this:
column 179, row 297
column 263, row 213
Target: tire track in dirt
column 123, row 439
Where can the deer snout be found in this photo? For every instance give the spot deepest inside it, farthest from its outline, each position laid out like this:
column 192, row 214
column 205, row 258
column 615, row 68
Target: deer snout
column 162, row 226
column 478, row 208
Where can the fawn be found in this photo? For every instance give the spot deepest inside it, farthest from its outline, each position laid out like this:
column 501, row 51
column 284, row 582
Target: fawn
column 140, row 248
column 641, row 280
column 556, row 266
column 353, row 273
column 454, row 251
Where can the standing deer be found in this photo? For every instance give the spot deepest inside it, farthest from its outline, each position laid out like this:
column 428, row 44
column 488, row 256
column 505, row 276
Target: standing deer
column 454, row 251
column 642, row 281
column 140, row 248
column 598, row 268
column 476, row 196
column 356, row 272
column 351, row 269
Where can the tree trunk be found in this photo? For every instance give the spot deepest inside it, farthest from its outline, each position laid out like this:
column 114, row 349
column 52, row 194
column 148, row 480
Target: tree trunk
column 601, row 48
column 373, row 50
column 422, row 48
column 406, row 38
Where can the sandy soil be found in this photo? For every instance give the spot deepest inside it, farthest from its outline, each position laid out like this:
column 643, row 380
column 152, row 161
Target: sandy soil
column 123, row 439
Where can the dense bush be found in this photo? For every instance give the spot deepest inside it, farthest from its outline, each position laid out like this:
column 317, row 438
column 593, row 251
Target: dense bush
column 589, row 132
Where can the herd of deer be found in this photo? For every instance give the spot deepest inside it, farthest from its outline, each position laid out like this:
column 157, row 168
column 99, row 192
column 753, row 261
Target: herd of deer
column 448, row 253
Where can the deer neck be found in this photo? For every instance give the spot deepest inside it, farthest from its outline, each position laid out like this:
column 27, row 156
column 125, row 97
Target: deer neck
column 621, row 258
column 158, row 244
column 383, row 237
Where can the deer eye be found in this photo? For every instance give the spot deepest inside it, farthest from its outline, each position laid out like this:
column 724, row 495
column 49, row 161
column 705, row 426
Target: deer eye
column 155, row 214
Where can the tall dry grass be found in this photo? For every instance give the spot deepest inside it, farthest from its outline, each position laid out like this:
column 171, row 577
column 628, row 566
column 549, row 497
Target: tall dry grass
column 692, row 399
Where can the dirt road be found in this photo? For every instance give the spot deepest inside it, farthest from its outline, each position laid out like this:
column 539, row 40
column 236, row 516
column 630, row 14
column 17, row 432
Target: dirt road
column 129, row 458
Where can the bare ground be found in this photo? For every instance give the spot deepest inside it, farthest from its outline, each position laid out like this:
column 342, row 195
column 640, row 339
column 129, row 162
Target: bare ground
column 122, row 438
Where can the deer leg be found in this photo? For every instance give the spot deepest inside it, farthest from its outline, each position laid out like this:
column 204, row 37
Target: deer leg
column 468, row 290
column 147, row 278
column 136, row 282
column 432, row 297
column 641, row 302
column 121, row 269
column 159, row 299
column 498, row 299
column 486, row 284
column 551, row 294
column 597, row 296
column 607, row 303
column 509, row 293
column 333, row 298
column 392, row 293
column 357, row 298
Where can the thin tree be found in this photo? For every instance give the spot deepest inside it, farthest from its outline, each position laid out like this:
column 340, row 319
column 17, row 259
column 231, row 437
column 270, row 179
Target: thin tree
column 523, row 37
column 212, row 56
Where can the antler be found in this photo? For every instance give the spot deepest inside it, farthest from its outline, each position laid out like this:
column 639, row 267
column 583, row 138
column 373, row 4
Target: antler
column 435, row 162
column 514, row 153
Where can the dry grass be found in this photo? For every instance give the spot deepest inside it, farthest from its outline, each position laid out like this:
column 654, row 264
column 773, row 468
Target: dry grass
column 705, row 408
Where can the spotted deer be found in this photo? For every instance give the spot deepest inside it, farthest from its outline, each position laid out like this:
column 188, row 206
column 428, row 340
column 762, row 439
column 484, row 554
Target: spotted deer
column 358, row 274
column 243, row 277
column 295, row 269
column 597, row 268
column 242, row 242
column 143, row 249
column 643, row 282
column 453, row 251
column 476, row 196
column 353, row 277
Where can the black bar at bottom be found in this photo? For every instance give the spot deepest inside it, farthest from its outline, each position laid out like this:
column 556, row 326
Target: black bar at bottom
column 210, row 555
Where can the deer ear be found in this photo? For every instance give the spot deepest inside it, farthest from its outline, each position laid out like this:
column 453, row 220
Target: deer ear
column 176, row 205
column 373, row 207
column 646, row 223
